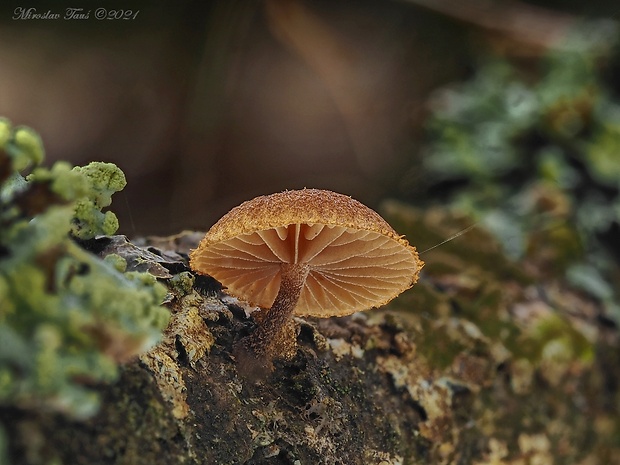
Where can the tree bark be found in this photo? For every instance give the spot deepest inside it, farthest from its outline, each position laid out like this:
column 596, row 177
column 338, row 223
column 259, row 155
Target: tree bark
column 481, row 362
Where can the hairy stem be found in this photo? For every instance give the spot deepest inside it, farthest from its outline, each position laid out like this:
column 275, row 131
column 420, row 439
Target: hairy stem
column 255, row 351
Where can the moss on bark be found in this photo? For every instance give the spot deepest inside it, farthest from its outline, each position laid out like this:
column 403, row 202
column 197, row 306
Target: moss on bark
column 478, row 363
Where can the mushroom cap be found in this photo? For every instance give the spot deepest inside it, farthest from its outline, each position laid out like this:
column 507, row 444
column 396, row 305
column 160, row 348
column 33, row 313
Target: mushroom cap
column 357, row 261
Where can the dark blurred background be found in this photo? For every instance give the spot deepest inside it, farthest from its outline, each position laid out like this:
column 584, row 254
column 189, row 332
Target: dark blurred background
column 206, row 104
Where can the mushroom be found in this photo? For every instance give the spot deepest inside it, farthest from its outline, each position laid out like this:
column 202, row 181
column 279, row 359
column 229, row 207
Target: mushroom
column 309, row 252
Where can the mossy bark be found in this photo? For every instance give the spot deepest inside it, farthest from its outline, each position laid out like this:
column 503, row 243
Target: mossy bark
column 481, row 362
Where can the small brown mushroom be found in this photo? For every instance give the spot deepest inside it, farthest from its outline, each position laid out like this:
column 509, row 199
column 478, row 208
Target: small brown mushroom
column 310, row 252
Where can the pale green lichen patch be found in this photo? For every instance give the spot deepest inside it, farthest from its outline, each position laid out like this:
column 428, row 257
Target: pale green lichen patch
column 182, row 282
column 23, row 145
column 532, row 153
column 104, row 179
column 67, row 317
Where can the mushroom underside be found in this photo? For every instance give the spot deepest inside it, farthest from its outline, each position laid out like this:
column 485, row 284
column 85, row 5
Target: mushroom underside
column 349, row 269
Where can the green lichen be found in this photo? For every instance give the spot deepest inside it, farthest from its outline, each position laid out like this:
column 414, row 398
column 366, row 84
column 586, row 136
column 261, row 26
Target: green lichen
column 5, row 131
column 104, row 179
column 183, row 282
column 470, row 302
column 67, row 317
column 532, row 153
column 23, row 144
column 118, row 262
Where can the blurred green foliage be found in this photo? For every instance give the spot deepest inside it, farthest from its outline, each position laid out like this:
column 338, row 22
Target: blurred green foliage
column 532, row 150
column 67, row 317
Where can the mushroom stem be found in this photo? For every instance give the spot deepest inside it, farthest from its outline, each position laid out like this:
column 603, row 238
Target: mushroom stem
column 255, row 349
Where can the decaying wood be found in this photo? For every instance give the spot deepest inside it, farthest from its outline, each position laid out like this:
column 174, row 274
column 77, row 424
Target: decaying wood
column 478, row 363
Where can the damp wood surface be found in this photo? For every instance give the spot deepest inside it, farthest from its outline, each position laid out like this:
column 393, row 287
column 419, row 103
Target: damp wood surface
column 483, row 361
